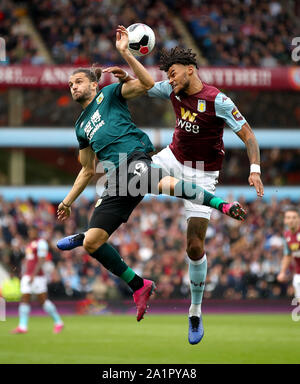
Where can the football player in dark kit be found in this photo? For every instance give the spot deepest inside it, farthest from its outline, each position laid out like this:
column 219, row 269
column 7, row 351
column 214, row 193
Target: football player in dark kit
column 105, row 129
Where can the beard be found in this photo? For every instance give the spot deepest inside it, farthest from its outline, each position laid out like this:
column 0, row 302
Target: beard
column 183, row 90
column 82, row 97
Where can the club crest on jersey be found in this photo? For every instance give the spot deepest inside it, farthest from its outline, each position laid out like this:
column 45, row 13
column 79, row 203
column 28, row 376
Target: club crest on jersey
column 100, row 98
column 201, row 106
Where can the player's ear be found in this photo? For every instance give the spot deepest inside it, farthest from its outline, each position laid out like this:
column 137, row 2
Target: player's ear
column 190, row 70
column 95, row 85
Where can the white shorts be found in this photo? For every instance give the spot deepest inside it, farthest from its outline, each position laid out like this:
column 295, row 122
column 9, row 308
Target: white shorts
column 296, row 284
column 38, row 286
column 206, row 179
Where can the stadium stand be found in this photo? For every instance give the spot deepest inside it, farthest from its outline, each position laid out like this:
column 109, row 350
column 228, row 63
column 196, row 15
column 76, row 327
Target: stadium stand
column 88, row 34
column 21, row 47
column 242, row 33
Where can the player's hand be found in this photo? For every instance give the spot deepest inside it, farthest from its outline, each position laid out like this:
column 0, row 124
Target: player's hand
column 282, row 278
column 119, row 73
column 122, row 39
column 254, row 179
column 31, row 279
column 63, row 212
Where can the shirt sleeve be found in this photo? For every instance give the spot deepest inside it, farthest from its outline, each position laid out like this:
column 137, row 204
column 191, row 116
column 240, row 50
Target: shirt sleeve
column 42, row 248
column 161, row 89
column 117, row 89
column 286, row 248
column 226, row 110
column 83, row 143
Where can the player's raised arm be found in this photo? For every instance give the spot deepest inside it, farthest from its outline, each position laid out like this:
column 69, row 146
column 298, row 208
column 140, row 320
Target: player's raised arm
column 87, row 160
column 161, row 89
column 285, row 263
column 144, row 81
column 226, row 109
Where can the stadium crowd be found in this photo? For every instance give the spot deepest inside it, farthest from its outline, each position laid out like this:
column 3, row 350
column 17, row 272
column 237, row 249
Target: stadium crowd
column 229, row 33
column 21, row 48
column 243, row 258
column 242, row 33
column 88, row 34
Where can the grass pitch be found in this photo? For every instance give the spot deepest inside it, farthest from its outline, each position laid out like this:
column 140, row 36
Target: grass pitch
column 158, row 339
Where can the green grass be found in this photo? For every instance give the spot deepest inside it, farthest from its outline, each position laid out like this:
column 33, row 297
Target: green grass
column 157, row 339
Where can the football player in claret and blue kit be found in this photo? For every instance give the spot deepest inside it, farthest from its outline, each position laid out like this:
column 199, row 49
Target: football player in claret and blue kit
column 291, row 250
column 34, row 282
column 196, row 153
column 105, row 129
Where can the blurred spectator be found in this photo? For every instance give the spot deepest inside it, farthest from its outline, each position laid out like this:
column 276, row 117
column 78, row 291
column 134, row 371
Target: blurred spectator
column 88, row 34
column 10, row 289
column 20, row 47
column 242, row 33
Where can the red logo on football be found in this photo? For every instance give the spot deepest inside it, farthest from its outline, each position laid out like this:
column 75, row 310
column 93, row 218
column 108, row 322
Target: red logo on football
column 144, row 50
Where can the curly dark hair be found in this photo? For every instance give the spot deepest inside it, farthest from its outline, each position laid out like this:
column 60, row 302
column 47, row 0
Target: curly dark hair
column 177, row 55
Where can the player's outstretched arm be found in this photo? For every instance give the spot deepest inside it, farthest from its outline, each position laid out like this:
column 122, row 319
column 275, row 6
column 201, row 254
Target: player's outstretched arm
column 247, row 136
column 119, row 73
column 87, row 160
column 286, row 262
column 144, row 81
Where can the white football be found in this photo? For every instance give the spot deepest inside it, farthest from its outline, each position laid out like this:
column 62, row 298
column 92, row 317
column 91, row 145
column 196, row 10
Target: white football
column 141, row 39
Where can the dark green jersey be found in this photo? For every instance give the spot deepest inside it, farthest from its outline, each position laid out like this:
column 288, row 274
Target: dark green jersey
column 106, row 126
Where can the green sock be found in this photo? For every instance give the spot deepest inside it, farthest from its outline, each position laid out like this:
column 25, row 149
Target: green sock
column 191, row 191
column 110, row 258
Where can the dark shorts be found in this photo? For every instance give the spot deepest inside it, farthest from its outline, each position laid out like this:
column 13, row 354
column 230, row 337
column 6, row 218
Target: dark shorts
column 124, row 190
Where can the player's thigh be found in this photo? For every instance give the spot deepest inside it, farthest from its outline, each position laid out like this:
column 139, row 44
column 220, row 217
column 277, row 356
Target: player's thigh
column 296, row 284
column 109, row 213
column 39, row 285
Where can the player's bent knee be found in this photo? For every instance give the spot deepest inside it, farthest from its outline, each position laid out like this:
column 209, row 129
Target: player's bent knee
column 195, row 249
column 94, row 238
column 91, row 246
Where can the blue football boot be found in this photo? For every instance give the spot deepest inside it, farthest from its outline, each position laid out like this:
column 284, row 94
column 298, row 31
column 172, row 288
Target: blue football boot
column 70, row 242
column 196, row 330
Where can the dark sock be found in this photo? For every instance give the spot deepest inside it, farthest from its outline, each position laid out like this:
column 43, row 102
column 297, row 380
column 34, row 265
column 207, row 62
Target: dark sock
column 110, row 258
column 136, row 283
